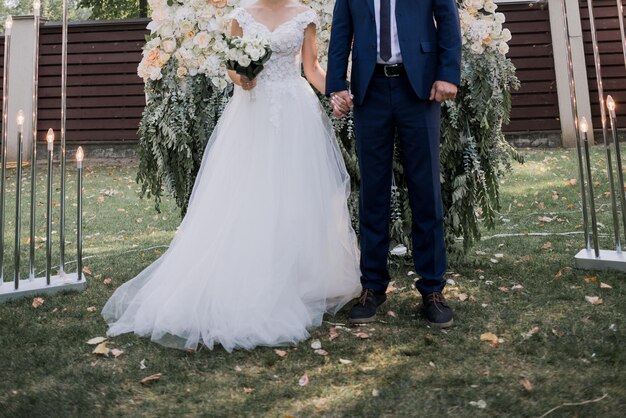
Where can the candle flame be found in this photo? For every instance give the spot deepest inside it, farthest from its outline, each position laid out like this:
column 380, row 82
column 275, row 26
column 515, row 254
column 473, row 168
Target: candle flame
column 610, row 103
column 50, row 136
column 20, row 118
column 37, row 5
column 80, row 154
column 9, row 23
column 583, row 125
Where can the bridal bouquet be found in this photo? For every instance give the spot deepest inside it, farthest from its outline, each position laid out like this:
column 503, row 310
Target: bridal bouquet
column 247, row 56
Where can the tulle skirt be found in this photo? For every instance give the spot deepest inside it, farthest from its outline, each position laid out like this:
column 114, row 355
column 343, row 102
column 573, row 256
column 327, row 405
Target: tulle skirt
column 266, row 247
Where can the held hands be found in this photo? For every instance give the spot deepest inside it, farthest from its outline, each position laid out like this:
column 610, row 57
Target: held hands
column 341, row 102
column 246, row 83
column 442, row 91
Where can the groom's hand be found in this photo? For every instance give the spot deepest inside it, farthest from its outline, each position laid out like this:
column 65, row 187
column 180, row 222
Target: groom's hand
column 341, row 102
column 442, row 91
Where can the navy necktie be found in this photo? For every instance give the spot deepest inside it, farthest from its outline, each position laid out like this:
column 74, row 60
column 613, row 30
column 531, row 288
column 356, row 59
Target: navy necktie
column 385, row 30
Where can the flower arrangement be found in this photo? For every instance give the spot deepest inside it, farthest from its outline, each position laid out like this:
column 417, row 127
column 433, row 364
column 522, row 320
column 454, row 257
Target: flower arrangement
column 184, row 69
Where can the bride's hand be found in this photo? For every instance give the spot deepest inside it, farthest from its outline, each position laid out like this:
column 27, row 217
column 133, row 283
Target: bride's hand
column 247, row 84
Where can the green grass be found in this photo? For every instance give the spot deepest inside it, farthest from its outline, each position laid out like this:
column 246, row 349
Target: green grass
column 576, row 354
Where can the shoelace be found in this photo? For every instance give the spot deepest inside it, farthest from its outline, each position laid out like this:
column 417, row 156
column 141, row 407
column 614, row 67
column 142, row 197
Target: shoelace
column 436, row 299
column 364, row 294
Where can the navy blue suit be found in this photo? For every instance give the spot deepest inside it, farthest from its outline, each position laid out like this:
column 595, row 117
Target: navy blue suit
column 430, row 42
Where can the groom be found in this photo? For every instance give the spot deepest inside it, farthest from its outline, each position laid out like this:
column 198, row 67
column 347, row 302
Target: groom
column 406, row 58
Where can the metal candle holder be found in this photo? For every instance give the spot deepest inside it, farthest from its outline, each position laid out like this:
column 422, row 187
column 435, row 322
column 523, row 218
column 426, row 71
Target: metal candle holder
column 50, row 142
column 33, row 158
column 605, row 259
column 574, row 108
column 584, row 128
column 18, row 196
column 4, row 139
column 63, row 281
column 610, row 104
column 63, row 131
column 79, row 213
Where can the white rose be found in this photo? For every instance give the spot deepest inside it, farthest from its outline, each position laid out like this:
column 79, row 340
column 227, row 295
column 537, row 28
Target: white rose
column 202, row 39
column 181, row 72
column 167, row 30
column 503, row 48
column 506, row 35
column 477, row 48
column 499, row 17
column 169, row 45
column 244, row 60
column 490, row 7
column 186, row 26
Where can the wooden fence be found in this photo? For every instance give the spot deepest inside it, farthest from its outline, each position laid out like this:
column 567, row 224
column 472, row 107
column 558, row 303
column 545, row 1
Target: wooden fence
column 106, row 98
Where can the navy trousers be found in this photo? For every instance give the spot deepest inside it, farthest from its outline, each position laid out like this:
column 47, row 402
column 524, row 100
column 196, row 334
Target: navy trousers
column 391, row 107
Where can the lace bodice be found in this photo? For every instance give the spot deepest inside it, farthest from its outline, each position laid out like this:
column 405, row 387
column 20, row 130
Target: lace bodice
column 286, row 41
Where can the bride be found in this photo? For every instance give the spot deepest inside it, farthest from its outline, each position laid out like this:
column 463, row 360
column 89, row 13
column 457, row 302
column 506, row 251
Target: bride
column 266, row 247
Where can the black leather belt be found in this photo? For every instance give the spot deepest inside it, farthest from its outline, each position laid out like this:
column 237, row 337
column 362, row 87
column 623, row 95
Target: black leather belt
column 390, row 70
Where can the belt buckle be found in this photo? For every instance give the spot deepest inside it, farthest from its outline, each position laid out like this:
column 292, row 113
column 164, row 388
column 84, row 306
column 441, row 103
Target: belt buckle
column 387, row 66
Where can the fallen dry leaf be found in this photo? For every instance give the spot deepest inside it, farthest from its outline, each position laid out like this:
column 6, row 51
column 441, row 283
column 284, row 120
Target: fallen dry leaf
column 151, row 378
column 526, row 385
column 142, row 364
column 344, row 361
column 248, row 390
column 96, row 340
column 530, row 332
column 392, row 314
column 91, row 309
column 504, row 289
column 544, row 219
column 116, row 352
column 463, row 297
column 361, row 335
column 87, row 270
column 391, row 288
column 590, row 279
column 517, row 287
column 547, row 245
column 375, row 393
column 37, row 302
column 281, row 353
column 605, row 286
column 316, row 344
column 491, row 338
column 333, row 333
column 480, row 404
column 304, row 380
column 321, row 352
column 101, row 349
column 594, row 300
column 106, row 281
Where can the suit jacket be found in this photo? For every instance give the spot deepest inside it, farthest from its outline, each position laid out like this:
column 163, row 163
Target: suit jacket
column 430, row 40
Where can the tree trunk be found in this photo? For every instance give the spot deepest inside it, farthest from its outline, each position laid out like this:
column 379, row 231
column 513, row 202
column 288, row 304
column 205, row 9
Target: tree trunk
column 143, row 8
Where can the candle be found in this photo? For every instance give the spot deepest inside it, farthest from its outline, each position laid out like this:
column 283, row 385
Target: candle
column 79, row 215
column 50, row 141
column 18, row 197
column 610, row 104
column 584, row 128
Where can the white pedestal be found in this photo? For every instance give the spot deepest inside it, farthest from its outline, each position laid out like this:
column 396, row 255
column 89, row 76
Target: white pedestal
column 39, row 287
column 608, row 260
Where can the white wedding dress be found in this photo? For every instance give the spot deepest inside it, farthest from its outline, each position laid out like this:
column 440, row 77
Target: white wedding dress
column 266, row 247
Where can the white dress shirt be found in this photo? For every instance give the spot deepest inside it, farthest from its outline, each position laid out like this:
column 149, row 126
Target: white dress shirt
column 396, row 54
